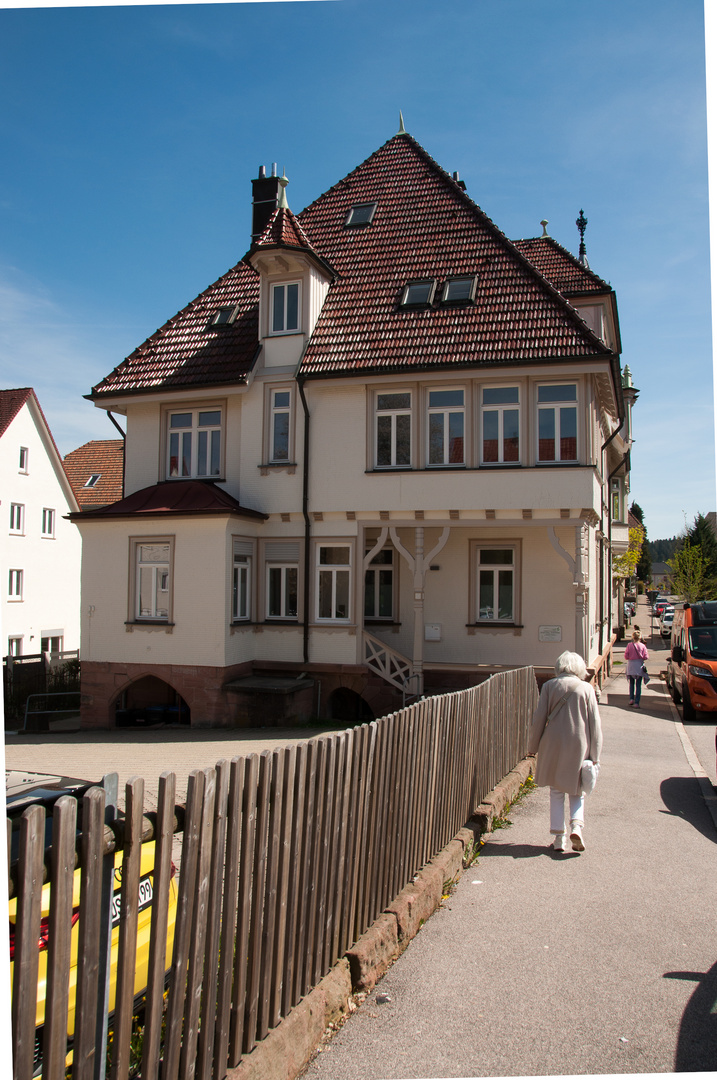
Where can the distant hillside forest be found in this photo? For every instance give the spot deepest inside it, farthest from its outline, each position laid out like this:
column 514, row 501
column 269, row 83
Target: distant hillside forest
column 662, row 550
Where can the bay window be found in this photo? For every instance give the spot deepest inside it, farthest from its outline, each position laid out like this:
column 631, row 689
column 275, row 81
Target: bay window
column 194, row 443
column 557, row 422
column 152, row 564
column 446, row 420
column 393, row 430
column 500, row 417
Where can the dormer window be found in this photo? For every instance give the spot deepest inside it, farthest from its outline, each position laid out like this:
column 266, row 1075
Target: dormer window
column 92, row 480
column 459, row 290
column 361, row 214
column 224, row 316
column 419, row 293
column 285, row 307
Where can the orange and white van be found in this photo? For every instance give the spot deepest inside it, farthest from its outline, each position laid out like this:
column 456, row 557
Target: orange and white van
column 692, row 663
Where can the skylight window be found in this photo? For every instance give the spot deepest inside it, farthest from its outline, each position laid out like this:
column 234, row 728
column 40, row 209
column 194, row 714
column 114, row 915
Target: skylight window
column 361, row 214
column 459, row 290
column 224, row 316
column 419, row 293
column 90, row 483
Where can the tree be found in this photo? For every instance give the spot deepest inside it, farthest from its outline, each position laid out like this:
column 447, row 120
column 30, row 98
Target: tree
column 625, row 565
column 691, row 579
column 643, row 567
column 702, row 535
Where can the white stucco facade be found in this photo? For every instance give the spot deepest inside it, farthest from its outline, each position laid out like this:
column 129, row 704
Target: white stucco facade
column 40, row 549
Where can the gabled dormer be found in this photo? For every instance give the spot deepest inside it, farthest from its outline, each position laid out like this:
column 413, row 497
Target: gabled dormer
column 294, row 279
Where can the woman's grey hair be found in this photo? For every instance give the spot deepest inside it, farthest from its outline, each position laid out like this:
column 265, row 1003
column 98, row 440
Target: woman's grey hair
column 571, row 663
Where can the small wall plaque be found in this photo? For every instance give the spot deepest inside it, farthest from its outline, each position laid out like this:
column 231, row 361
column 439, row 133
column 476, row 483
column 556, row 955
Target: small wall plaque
column 550, row 633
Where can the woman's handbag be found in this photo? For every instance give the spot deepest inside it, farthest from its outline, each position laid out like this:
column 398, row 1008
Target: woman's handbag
column 588, row 776
column 645, row 676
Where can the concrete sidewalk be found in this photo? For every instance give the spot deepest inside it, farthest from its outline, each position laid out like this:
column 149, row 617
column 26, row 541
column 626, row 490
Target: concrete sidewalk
column 548, row 964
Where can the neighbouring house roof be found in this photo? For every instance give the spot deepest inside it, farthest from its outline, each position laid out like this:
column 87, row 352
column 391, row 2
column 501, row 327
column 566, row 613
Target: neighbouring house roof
column 11, row 401
column 424, row 226
column 661, row 568
column 558, row 265
column 99, row 457
column 172, row 498
column 632, row 521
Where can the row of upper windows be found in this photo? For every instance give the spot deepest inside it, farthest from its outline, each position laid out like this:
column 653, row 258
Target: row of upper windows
column 195, row 436
column 446, row 427
column 17, row 521
column 494, row 574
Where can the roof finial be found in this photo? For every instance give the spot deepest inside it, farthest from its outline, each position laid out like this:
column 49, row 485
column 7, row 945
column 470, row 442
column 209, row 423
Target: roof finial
column 544, row 223
column 401, row 128
column 282, row 203
column 581, row 223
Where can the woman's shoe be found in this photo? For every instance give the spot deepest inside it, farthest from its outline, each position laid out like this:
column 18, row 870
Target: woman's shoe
column 559, row 842
column 576, row 837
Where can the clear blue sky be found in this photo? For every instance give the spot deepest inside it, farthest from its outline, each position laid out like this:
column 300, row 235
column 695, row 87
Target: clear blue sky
column 130, row 136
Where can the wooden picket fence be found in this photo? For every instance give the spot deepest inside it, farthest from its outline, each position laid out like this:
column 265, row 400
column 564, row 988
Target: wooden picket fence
column 287, row 858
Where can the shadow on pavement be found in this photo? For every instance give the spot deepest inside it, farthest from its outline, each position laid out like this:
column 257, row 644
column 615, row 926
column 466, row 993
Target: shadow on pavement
column 682, row 795
column 697, row 1038
column 525, row 851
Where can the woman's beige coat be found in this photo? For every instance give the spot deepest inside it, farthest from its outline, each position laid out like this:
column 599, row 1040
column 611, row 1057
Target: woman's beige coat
column 573, row 734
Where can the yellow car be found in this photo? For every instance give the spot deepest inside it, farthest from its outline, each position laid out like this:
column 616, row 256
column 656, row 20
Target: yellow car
column 26, row 789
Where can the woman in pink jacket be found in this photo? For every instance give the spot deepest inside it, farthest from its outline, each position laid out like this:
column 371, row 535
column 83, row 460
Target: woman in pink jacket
column 636, row 654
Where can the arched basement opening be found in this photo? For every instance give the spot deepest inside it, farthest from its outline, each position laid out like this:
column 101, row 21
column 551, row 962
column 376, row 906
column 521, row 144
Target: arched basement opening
column 148, row 702
column 349, row 707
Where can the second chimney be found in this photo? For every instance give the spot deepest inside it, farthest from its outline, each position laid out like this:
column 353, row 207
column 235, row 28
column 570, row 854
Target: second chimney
column 265, row 199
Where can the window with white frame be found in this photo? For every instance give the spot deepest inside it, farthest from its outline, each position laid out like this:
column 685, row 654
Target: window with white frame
column 194, row 443
column 500, row 416
column 48, row 522
column 17, row 517
column 333, row 582
column 14, row 646
column 241, row 579
column 393, row 430
column 495, row 582
column 616, row 500
column 282, row 579
column 446, row 421
column 52, row 644
column 558, row 422
column 24, row 459
column 15, row 584
column 378, row 586
column 279, row 425
column 152, row 580
column 285, row 308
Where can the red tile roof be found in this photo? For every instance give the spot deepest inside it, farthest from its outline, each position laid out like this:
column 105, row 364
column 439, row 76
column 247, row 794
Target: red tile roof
column 560, row 267
column 188, row 351
column 173, row 498
column 424, row 226
column 100, row 456
column 11, row 401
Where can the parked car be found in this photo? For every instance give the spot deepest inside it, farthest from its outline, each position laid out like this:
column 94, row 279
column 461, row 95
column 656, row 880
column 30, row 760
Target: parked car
column 666, row 621
column 26, row 789
column 691, row 675
column 660, row 604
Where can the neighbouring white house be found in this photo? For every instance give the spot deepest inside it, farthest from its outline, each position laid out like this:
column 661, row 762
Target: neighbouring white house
column 40, row 548
column 387, row 453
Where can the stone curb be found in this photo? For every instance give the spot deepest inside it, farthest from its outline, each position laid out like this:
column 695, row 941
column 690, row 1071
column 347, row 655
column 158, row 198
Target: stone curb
column 289, row 1047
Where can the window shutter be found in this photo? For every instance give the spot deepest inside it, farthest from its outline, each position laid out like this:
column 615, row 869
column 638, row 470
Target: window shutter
column 243, row 547
column 282, row 551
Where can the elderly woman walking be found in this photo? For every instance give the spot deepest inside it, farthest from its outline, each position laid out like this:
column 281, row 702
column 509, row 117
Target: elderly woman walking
column 565, row 731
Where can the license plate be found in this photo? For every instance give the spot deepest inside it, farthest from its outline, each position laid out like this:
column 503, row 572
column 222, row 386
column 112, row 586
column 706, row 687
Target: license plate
column 145, row 899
